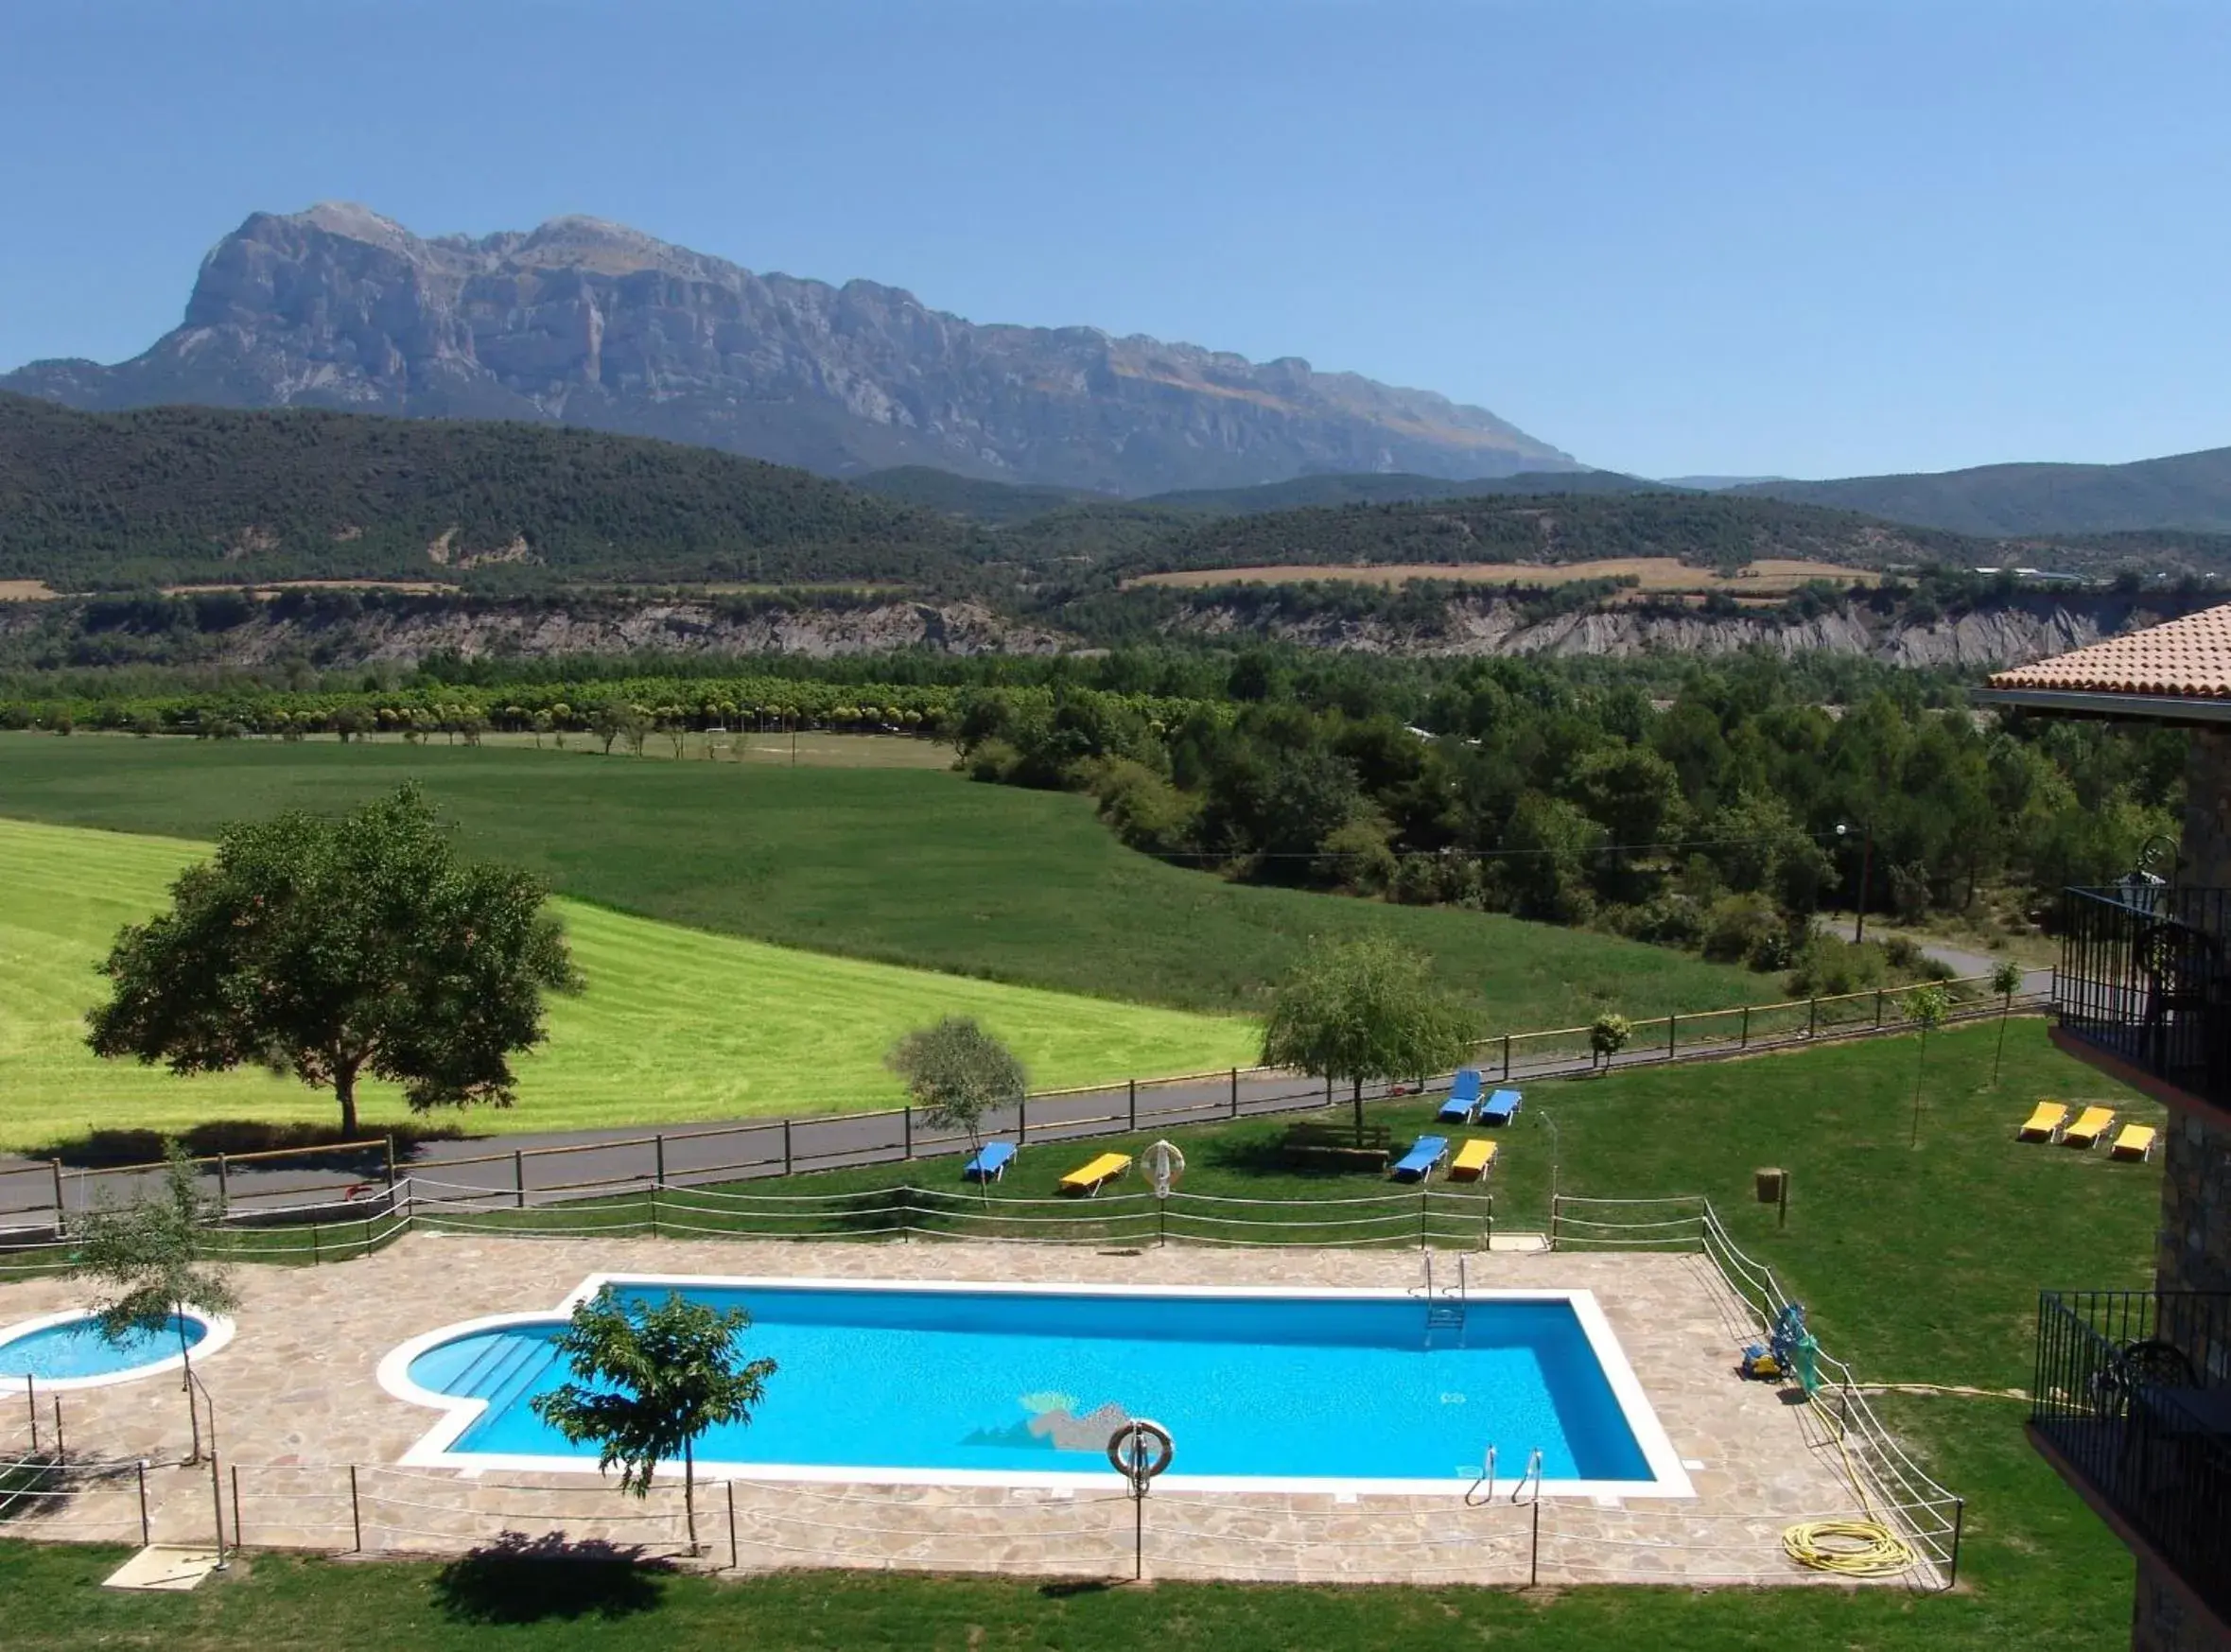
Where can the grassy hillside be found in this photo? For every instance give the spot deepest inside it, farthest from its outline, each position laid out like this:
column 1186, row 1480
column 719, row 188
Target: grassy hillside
column 924, row 869
column 199, row 492
column 1367, row 488
column 2190, row 490
column 675, row 1024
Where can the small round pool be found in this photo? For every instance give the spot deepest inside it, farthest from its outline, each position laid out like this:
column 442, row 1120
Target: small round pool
column 70, row 1350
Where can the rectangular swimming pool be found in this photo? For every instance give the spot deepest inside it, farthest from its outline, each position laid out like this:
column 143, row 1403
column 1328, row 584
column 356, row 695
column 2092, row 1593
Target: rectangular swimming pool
column 1263, row 1390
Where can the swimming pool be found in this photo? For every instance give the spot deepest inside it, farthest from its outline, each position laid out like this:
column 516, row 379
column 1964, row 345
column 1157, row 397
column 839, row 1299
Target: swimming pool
column 1021, row 1386
column 68, row 1350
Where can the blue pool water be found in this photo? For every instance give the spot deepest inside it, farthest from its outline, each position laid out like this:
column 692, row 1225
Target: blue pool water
column 77, row 1349
column 1334, row 1387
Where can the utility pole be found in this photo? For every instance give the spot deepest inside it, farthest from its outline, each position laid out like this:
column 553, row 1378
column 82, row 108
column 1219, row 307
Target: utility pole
column 1865, row 867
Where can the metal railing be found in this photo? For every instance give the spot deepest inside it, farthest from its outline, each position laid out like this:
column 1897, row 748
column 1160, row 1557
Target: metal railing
column 2143, row 977
column 2133, row 1392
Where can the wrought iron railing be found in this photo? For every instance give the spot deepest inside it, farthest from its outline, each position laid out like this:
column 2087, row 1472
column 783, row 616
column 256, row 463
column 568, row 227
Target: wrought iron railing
column 2133, row 1391
column 2145, row 977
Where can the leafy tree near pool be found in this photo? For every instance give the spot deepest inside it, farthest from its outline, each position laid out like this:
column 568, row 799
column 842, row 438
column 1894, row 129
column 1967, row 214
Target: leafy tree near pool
column 2006, row 981
column 956, row 1073
column 147, row 1256
column 1925, row 1006
column 337, row 949
column 1361, row 1011
column 650, row 1382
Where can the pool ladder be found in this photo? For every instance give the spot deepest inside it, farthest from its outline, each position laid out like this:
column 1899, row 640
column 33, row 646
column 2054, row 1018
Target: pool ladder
column 1441, row 1312
column 1483, row 1489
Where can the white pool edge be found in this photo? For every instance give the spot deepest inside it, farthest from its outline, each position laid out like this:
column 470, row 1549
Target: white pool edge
column 433, row 1448
column 216, row 1332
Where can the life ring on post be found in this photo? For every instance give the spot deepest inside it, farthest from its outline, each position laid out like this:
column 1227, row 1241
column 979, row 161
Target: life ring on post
column 1139, row 1451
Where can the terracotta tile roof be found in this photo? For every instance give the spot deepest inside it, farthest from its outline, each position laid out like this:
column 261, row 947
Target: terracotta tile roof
column 2187, row 658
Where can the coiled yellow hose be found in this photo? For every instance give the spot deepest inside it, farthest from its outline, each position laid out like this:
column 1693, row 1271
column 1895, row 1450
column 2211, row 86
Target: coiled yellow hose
column 1849, row 1548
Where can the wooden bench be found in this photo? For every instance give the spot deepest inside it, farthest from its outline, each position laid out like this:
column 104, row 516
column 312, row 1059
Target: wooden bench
column 1324, row 1146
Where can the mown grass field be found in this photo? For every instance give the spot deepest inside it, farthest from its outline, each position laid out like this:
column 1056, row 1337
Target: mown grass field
column 675, row 1023
column 1919, row 1266
column 919, row 868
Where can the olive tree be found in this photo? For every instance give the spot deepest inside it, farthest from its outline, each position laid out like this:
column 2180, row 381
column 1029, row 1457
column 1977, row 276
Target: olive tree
column 649, row 1381
column 341, row 949
column 956, row 1073
column 1360, row 1011
column 148, row 1260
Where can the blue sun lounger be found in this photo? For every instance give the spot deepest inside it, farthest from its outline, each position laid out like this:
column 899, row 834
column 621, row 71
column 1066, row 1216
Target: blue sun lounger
column 1500, row 1107
column 1425, row 1155
column 990, row 1162
column 1463, row 1097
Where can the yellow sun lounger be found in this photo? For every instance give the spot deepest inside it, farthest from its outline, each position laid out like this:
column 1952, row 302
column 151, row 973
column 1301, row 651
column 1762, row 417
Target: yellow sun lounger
column 2045, row 1123
column 1092, row 1177
column 2092, row 1124
column 2134, row 1142
column 1473, row 1160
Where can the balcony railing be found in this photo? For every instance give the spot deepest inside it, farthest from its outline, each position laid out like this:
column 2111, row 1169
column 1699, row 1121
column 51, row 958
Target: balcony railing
column 2133, row 1391
column 2145, row 977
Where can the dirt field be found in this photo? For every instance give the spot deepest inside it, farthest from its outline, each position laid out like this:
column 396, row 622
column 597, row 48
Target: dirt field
column 1657, row 574
column 270, row 588
column 27, row 591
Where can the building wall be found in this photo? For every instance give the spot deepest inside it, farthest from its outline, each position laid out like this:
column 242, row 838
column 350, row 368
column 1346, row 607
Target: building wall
column 2206, row 859
column 2162, row 1622
column 2194, row 1249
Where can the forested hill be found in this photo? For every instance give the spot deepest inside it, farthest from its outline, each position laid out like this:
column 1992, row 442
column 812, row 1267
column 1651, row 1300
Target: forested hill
column 1701, row 529
column 177, row 494
column 2191, row 491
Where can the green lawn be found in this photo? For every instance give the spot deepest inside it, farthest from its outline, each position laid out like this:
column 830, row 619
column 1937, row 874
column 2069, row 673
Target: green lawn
column 919, row 868
column 1919, row 1266
column 675, row 1024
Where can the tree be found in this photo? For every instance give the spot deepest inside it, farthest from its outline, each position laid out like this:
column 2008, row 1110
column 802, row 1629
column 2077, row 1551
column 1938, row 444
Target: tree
column 957, row 1072
column 1360, row 1010
column 1607, row 1035
column 337, row 949
column 648, row 1380
column 2006, row 981
column 148, row 1258
column 1925, row 1006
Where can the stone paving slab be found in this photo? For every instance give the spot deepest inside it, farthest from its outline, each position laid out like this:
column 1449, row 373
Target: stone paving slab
column 298, row 1406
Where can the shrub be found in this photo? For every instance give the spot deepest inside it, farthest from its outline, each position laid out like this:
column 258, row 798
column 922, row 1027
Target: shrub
column 1829, row 966
column 1737, row 927
column 1143, row 810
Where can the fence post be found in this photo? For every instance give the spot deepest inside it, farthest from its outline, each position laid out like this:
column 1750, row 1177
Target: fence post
column 356, row 1510
column 1960, row 1508
column 146, row 1532
column 61, row 1451
column 657, row 1162
column 1554, row 1202
column 235, row 1505
column 731, row 1485
column 519, row 1176
column 315, row 1258
column 1133, row 1085
column 391, row 1171
column 1671, row 1022
column 60, row 1210
column 906, row 1115
column 1878, row 1009
column 1235, row 1092
column 1506, row 1058
column 1534, row 1554
column 31, row 1403
column 1812, row 1015
column 1424, row 1197
column 1743, row 1042
column 1022, row 1119
column 224, row 1188
column 786, row 1147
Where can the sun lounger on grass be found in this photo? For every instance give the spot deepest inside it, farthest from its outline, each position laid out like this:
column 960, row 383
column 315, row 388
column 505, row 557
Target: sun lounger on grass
column 1501, row 1107
column 2092, row 1124
column 1090, row 1178
column 1463, row 1098
column 990, row 1162
column 1424, row 1157
column 2134, row 1142
column 1474, row 1160
column 2044, row 1124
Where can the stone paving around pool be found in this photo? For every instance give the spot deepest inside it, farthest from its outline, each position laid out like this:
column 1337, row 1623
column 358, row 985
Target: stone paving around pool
column 298, row 1405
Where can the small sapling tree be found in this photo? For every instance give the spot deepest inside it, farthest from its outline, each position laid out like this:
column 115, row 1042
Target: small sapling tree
column 2006, row 981
column 956, row 1073
column 148, row 1260
column 1925, row 1006
column 649, row 1381
column 1360, row 1011
column 341, row 949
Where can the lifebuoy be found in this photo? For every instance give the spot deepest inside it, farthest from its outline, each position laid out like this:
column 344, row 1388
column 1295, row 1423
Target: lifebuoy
column 1140, row 1449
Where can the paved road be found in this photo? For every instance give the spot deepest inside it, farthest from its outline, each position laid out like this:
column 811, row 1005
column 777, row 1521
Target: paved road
column 548, row 1168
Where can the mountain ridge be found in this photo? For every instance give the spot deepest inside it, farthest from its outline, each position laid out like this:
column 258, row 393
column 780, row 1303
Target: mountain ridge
column 586, row 322
column 2182, row 490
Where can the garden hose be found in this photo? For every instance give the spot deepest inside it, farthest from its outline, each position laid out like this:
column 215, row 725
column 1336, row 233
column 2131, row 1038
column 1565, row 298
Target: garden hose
column 1849, row 1548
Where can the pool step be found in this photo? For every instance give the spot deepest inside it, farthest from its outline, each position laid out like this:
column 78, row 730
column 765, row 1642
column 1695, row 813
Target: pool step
column 1444, row 1316
column 534, row 1357
column 470, row 1380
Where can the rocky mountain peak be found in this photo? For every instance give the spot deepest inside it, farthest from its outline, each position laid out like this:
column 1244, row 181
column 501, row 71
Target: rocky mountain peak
column 584, row 321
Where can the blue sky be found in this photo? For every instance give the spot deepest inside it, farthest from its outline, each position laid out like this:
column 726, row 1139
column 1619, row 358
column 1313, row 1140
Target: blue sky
column 1668, row 236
